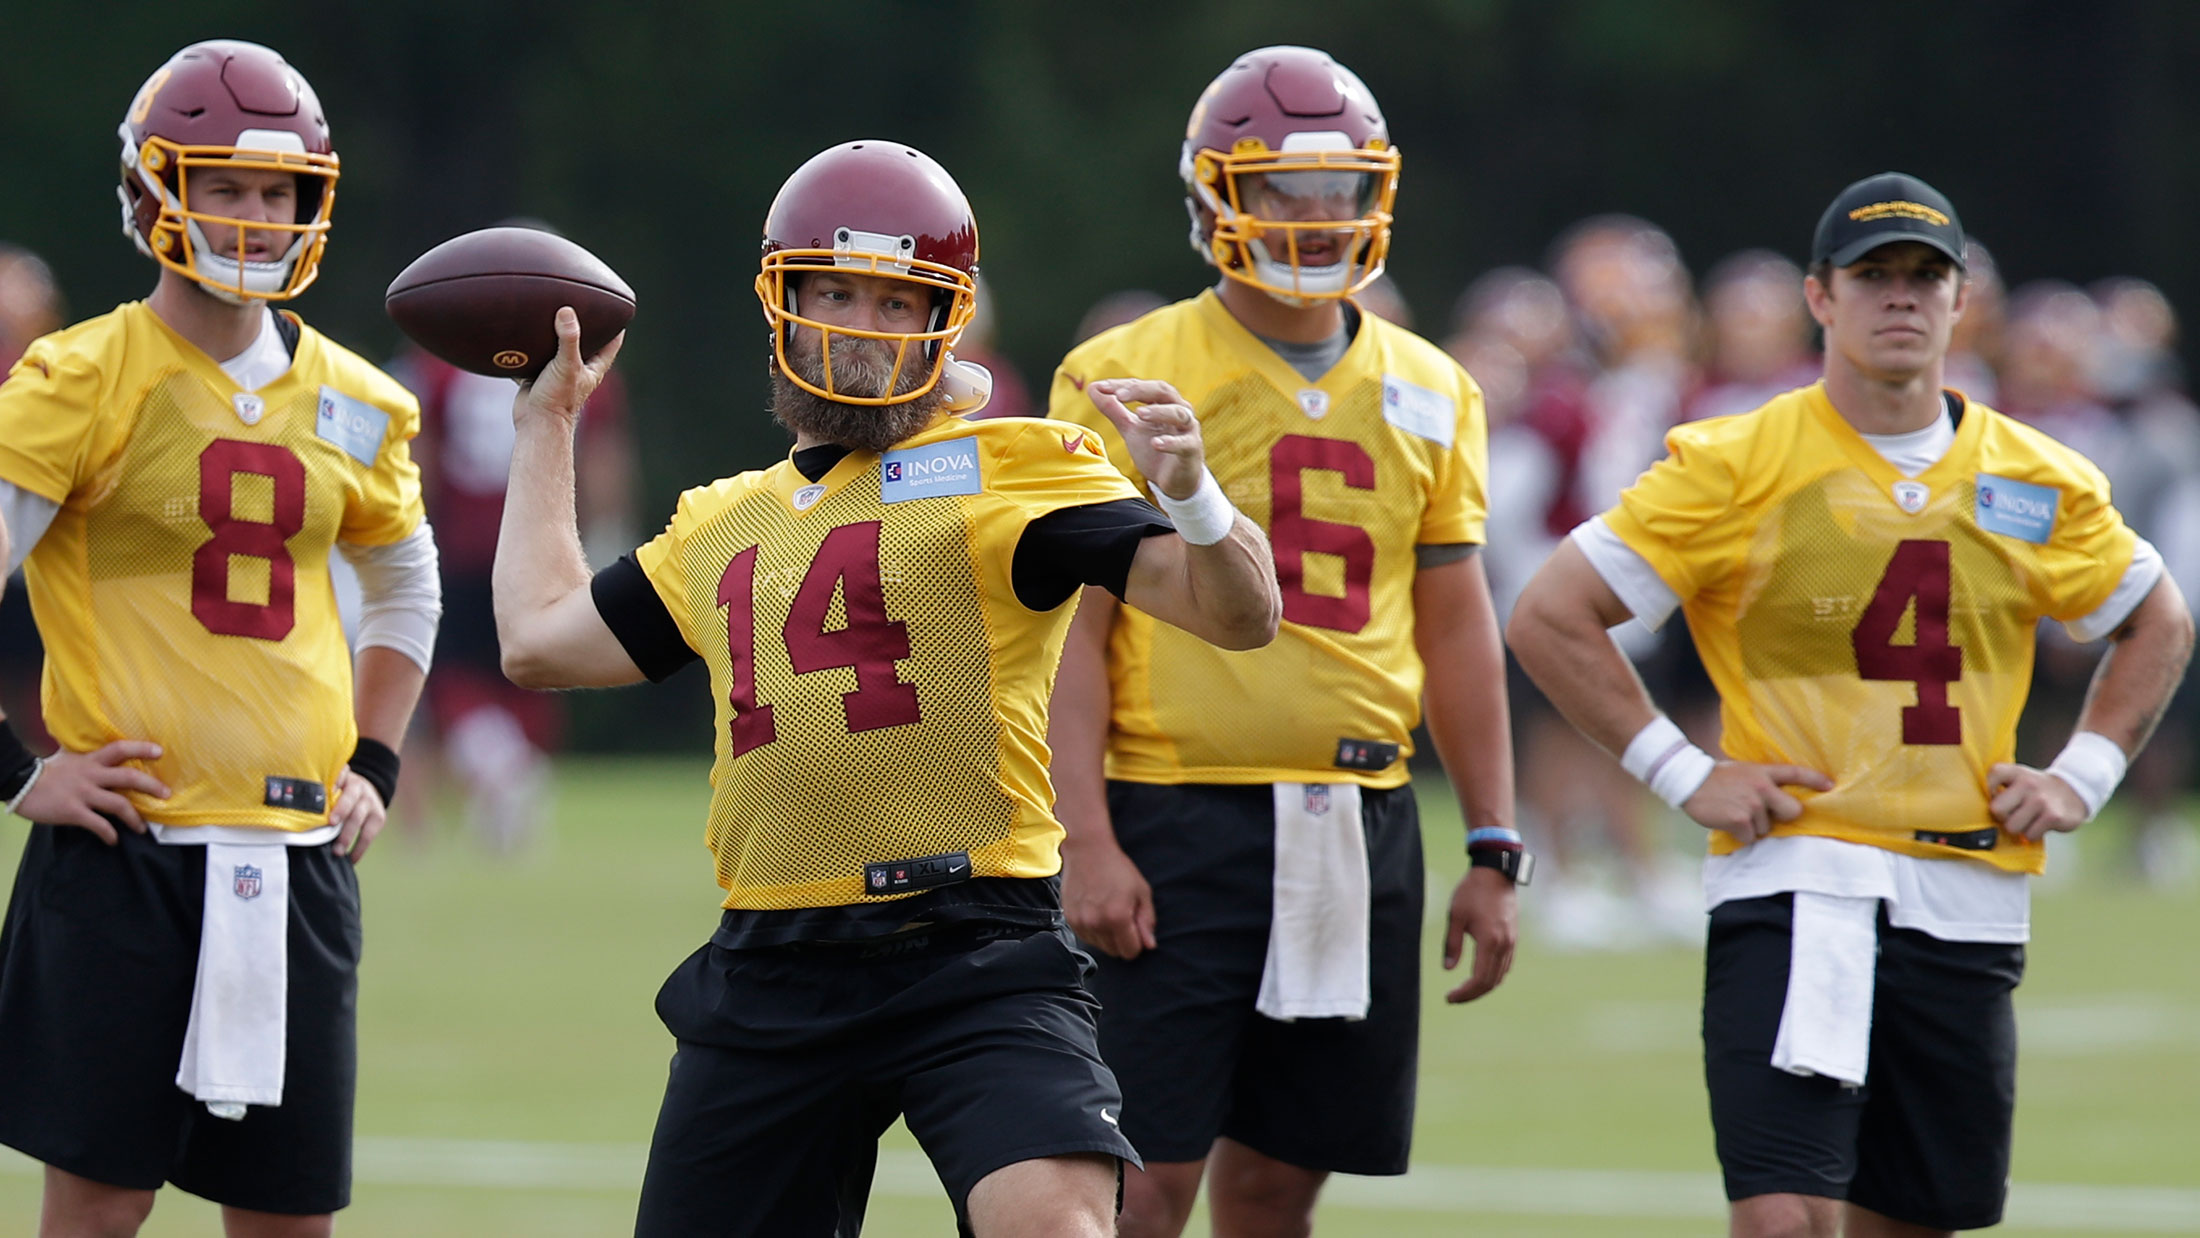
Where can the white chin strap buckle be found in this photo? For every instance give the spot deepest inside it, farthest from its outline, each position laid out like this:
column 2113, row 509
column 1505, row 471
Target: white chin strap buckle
column 968, row 385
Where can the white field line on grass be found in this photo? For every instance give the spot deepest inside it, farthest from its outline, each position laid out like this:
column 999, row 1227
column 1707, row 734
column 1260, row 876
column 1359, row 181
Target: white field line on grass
column 1442, row 1189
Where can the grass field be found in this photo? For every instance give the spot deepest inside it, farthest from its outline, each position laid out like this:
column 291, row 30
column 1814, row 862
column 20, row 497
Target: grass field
column 511, row 1064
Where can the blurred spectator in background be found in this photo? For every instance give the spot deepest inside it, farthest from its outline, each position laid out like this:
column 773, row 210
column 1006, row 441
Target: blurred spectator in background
column 1383, row 300
column 30, row 302
column 1011, row 396
column 1115, row 309
column 2137, row 375
column 1758, row 342
column 1515, row 332
column 493, row 740
column 1636, row 313
column 2047, row 371
column 30, row 306
column 1975, row 350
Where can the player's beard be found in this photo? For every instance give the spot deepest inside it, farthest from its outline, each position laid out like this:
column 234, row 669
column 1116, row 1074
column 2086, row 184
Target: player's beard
column 860, row 368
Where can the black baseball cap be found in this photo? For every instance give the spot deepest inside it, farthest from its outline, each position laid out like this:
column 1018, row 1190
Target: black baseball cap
column 1892, row 206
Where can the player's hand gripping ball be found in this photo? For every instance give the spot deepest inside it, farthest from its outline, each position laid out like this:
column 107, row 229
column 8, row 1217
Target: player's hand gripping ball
column 487, row 301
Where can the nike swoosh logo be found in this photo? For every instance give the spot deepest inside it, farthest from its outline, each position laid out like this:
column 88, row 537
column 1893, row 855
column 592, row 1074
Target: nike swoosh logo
column 1071, row 442
column 956, row 868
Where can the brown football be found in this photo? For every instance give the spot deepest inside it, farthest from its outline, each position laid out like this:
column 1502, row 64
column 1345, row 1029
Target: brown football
column 488, row 301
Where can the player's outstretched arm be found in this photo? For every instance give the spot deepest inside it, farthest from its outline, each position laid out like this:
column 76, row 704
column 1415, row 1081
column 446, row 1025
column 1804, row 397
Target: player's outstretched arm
column 1561, row 632
column 547, row 624
column 2131, row 688
column 1218, row 583
column 1455, row 632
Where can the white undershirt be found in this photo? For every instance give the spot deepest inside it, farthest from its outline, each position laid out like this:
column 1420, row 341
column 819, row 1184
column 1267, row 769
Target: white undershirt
column 1952, row 900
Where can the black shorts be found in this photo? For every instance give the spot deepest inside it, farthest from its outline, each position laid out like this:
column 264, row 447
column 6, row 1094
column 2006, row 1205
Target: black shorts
column 1178, row 1025
column 1926, row 1139
column 97, row 963
column 793, row 1060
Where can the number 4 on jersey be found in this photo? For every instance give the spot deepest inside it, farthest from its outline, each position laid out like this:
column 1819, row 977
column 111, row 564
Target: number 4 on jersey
column 1919, row 571
column 871, row 642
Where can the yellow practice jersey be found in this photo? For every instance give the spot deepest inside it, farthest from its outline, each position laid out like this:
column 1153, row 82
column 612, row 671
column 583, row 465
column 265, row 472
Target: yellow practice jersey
column 1877, row 628
column 881, row 692
column 1347, row 475
column 183, row 590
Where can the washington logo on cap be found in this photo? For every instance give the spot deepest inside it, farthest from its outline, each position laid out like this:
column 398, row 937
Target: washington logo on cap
column 1909, row 210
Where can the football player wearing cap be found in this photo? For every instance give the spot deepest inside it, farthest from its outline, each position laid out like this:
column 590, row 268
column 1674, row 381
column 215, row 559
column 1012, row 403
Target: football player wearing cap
column 881, row 613
column 178, row 972
column 1862, row 563
column 1243, row 842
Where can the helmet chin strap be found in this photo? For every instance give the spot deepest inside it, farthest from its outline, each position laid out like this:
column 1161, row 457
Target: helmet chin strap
column 225, row 274
column 969, row 386
column 1276, row 276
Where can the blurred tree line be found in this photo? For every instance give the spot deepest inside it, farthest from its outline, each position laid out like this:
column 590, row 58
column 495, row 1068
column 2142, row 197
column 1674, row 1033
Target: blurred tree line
column 656, row 131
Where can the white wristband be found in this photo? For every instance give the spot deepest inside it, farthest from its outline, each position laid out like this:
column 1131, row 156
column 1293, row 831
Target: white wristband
column 2092, row 764
column 1663, row 759
column 38, row 768
column 1203, row 519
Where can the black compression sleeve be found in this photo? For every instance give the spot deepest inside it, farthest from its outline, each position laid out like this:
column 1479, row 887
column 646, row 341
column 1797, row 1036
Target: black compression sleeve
column 637, row 616
column 1071, row 547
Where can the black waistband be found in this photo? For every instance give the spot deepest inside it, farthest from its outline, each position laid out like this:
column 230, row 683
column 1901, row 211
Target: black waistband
column 1962, row 840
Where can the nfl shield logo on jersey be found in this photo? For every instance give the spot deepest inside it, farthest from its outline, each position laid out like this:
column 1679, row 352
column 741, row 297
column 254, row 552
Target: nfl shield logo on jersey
column 1910, row 496
column 1317, row 799
column 1314, row 402
column 247, row 883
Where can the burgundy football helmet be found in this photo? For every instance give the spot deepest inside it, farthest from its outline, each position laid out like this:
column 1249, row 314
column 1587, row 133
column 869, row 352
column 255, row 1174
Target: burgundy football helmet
column 1289, row 176
column 235, row 105
column 872, row 208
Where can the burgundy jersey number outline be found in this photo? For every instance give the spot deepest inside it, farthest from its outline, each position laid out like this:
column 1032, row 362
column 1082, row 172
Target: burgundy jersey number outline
column 230, row 536
column 871, row 643
column 1919, row 569
column 1292, row 536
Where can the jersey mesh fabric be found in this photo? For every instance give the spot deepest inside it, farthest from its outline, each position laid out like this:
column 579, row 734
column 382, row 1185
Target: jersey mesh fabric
column 1821, row 602
column 183, row 589
column 850, row 775
column 1370, row 483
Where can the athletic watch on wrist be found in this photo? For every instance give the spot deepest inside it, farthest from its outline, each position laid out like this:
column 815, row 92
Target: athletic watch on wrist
column 1517, row 864
column 1495, row 846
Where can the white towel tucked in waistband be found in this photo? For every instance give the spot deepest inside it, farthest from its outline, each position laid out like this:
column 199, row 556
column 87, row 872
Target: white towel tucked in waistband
column 233, row 1047
column 1317, row 942
column 1826, row 1025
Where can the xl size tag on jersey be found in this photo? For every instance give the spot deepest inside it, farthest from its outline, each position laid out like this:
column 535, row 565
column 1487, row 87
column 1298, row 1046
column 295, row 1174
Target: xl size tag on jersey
column 302, row 794
column 902, row 876
column 929, row 471
column 1419, row 411
column 2016, row 509
column 352, row 424
column 1369, row 754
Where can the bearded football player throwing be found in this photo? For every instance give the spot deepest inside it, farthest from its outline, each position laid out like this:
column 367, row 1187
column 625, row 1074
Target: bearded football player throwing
column 179, row 970
column 881, row 614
